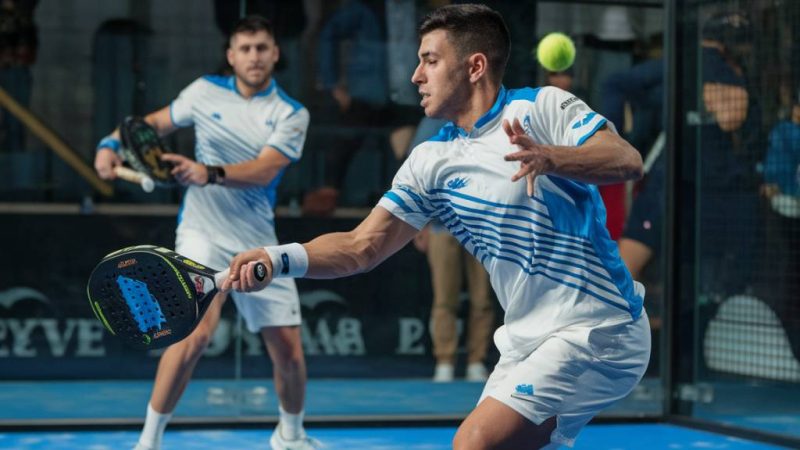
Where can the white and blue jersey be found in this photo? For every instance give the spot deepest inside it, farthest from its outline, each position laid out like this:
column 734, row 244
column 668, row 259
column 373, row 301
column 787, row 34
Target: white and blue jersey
column 550, row 257
column 231, row 129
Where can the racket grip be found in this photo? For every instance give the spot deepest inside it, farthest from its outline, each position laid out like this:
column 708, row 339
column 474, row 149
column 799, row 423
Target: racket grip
column 133, row 176
column 259, row 270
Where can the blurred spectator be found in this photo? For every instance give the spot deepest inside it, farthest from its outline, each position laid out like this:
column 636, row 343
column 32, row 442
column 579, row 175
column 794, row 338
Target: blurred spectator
column 782, row 166
column 641, row 87
column 18, row 45
column 566, row 80
column 353, row 73
column 448, row 261
column 727, row 182
column 778, row 285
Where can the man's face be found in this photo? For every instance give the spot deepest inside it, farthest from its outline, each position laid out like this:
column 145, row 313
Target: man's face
column 796, row 113
column 253, row 56
column 442, row 76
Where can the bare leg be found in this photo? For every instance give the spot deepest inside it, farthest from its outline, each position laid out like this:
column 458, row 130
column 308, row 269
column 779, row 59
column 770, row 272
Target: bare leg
column 179, row 360
column 493, row 425
column 635, row 255
column 289, row 366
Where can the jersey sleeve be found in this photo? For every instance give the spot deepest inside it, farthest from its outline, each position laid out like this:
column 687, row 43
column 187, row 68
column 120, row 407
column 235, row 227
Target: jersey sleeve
column 407, row 199
column 564, row 119
column 290, row 134
column 180, row 110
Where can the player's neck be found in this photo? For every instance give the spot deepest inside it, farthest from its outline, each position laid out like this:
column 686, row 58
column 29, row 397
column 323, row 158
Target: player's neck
column 247, row 91
column 481, row 101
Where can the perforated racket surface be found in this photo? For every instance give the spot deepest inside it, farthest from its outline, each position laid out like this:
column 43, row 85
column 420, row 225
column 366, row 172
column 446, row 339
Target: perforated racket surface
column 142, row 149
column 151, row 297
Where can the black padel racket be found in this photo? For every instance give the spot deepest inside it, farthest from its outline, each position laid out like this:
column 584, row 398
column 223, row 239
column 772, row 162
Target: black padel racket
column 150, row 296
column 142, row 149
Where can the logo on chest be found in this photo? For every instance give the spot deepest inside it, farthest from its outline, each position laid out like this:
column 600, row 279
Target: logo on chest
column 527, row 125
column 457, row 183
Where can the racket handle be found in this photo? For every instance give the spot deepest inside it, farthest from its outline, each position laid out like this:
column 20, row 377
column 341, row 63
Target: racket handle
column 259, row 270
column 133, row 176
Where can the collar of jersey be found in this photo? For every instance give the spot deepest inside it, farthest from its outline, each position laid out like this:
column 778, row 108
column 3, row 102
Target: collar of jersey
column 454, row 130
column 262, row 93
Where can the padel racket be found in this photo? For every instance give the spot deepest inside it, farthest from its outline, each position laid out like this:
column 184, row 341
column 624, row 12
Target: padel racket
column 142, row 149
column 150, row 296
column 127, row 174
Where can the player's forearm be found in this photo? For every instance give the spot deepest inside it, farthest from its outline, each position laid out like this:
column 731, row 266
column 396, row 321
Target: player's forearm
column 249, row 174
column 337, row 255
column 605, row 162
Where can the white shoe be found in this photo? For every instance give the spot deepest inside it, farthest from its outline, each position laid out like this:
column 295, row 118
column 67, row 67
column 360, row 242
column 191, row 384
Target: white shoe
column 278, row 442
column 443, row 373
column 476, row 372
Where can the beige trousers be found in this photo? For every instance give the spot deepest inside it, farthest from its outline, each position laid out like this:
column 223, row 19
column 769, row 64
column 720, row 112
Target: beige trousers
column 448, row 261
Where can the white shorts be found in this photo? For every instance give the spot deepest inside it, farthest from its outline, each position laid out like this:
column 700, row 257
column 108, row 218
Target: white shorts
column 276, row 306
column 576, row 373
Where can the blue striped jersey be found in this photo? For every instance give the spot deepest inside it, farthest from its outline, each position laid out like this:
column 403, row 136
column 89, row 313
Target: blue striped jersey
column 550, row 258
column 231, row 129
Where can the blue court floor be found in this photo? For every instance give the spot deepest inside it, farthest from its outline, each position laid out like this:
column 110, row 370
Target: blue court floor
column 594, row 437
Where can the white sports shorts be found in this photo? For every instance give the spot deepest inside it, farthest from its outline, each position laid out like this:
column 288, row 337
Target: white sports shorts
column 276, row 306
column 576, row 373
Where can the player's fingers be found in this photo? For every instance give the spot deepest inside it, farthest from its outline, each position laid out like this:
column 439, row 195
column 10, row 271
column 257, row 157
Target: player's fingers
column 517, row 127
column 171, row 157
column 246, row 277
column 517, row 156
column 507, row 128
column 523, row 140
column 531, row 181
column 233, row 273
column 523, row 171
column 249, row 278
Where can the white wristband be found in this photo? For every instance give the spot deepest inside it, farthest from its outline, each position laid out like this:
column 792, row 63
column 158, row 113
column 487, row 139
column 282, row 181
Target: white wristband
column 288, row 261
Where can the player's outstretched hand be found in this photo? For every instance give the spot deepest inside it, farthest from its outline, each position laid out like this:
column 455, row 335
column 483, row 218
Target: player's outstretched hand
column 534, row 158
column 242, row 276
column 104, row 163
column 185, row 170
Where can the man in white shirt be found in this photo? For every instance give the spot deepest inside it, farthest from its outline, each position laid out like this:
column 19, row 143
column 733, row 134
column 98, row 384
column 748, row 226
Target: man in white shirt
column 575, row 337
column 247, row 132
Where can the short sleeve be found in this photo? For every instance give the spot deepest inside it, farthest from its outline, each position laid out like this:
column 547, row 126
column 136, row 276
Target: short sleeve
column 290, row 134
column 407, row 199
column 564, row 119
column 180, row 110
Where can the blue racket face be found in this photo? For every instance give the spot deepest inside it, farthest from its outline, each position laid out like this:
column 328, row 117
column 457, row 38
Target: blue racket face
column 146, row 297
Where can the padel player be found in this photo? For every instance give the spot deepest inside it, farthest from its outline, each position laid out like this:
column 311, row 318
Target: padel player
column 575, row 337
column 247, row 131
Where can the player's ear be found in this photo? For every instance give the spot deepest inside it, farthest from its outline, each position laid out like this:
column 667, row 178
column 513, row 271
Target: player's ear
column 229, row 56
column 478, row 66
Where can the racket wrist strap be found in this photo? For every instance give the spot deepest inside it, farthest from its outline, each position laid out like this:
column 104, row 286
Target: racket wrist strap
column 109, row 142
column 288, row 261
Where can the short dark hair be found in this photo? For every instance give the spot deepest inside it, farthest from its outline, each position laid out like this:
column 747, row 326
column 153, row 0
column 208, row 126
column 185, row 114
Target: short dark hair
column 729, row 29
column 252, row 24
column 474, row 29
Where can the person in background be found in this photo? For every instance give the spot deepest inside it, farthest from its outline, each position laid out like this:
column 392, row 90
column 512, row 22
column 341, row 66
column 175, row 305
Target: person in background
column 449, row 262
